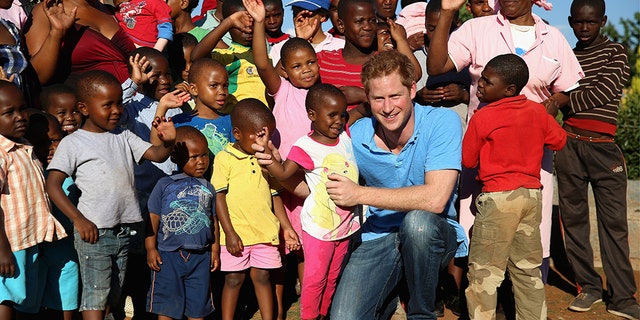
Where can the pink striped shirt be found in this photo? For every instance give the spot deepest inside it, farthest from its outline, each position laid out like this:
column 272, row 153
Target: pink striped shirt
column 25, row 203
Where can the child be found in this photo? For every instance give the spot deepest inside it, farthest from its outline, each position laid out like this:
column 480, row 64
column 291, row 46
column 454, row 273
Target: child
column 147, row 22
column 274, row 18
column 325, row 227
column 179, row 56
column 505, row 140
column 238, row 59
column 181, row 18
column 333, row 16
column 27, row 218
column 209, row 85
column 592, row 157
column 245, row 206
column 59, row 280
column 480, row 8
column 100, row 157
column 308, row 17
column 59, row 100
column 182, row 250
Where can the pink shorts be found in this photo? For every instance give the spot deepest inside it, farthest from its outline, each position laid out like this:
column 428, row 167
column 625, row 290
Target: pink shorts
column 262, row 256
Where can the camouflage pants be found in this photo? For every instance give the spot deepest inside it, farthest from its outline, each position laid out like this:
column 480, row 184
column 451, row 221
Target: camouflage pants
column 506, row 234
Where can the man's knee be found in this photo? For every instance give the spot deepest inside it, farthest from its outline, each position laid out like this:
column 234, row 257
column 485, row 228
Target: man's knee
column 422, row 225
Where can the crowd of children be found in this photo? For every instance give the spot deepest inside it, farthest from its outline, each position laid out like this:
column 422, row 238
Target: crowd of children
column 220, row 151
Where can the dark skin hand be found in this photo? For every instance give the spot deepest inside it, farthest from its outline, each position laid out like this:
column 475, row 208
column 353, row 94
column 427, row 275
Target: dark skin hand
column 554, row 103
column 7, row 264
column 446, row 96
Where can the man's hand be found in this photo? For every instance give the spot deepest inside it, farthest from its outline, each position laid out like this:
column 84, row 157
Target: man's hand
column 87, row 230
column 342, row 190
column 153, row 259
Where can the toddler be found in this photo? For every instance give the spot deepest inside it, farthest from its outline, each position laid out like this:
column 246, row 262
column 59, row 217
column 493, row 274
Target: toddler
column 325, row 226
column 181, row 251
column 147, row 22
column 100, row 157
column 505, row 140
column 249, row 210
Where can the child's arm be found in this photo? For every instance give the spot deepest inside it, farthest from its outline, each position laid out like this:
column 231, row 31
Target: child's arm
column 163, row 137
column 137, row 77
column 7, row 266
column 266, row 71
column 171, row 100
column 290, row 236
column 232, row 240
column 162, row 12
column 399, row 35
column 215, row 247
column 150, row 243
column 87, row 229
column 240, row 20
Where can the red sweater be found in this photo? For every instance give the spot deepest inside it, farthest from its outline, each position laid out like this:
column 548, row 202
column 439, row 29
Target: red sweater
column 505, row 139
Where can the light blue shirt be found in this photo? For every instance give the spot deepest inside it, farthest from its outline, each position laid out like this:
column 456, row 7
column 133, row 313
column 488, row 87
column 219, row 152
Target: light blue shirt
column 434, row 145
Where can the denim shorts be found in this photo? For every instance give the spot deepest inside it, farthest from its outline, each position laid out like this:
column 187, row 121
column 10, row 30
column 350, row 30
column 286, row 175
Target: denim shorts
column 102, row 266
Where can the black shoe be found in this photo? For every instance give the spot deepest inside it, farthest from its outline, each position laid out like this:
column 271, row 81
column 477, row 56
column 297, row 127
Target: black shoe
column 455, row 305
column 439, row 310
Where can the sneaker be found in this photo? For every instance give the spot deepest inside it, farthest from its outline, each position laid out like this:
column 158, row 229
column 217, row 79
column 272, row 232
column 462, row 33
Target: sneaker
column 583, row 302
column 630, row 312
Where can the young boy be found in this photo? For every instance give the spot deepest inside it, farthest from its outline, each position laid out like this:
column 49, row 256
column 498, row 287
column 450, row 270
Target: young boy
column 244, row 81
column 592, row 157
column 273, row 22
column 100, row 157
column 24, row 206
column 59, row 280
column 182, row 250
column 308, row 17
column 60, row 101
column 249, row 210
column 147, row 22
column 181, row 18
column 505, row 140
column 209, row 85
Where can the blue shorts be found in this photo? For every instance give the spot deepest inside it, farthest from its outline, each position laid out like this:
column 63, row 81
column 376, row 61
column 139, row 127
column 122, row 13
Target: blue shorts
column 22, row 288
column 182, row 286
column 59, row 275
column 102, row 267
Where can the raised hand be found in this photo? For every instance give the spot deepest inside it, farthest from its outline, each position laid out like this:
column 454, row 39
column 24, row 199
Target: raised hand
column 59, row 19
column 166, row 129
column 256, row 9
column 454, row 5
column 174, row 99
column 242, row 21
column 304, row 25
column 138, row 65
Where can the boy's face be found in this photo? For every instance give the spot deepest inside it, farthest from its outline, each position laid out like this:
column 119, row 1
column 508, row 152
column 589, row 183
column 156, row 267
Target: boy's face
column 211, row 88
column 301, row 68
column 184, row 74
column 479, row 8
column 46, row 143
column 244, row 135
column 240, row 37
column 333, row 14
column 491, row 87
column 193, row 155
column 274, row 17
column 63, row 107
column 13, row 113
column 586, row 22
column 386, row 8
column 160, row 81
column 431, row 21
column 102, row 110
column 359, row 25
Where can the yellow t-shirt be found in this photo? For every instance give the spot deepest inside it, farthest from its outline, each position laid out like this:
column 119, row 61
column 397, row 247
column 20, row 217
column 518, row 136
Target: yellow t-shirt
column 244, row 81
column 249, row 196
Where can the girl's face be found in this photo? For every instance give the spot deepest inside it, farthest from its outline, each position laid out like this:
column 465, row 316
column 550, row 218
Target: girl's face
column 329, row 120
column 301, row 68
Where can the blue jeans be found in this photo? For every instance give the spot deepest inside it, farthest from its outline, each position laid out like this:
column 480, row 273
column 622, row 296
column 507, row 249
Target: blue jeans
column 368, row 287
column 102, row 267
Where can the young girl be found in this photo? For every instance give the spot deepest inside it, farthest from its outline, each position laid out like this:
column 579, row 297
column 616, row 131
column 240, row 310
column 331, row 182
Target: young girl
column 325, row 227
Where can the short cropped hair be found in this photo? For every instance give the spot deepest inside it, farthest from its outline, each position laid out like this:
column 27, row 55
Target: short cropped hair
column 292, row 45
column 511, row 69
column 318, row 93
column 5, row 83
column 89, row 82
column 54, row 89
column 385, row 63
column 201, row 65
column 147, row 52
column 230, row 7
column 599, row 5
column 344, row 6
column 251, row 113
column 277, row 3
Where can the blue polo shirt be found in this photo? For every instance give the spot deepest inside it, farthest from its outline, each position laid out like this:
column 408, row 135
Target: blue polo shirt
column 434, row 145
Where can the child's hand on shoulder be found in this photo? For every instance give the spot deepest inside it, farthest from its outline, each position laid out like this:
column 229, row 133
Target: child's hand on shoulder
column 256, row 9
column 234, row 244
column 153, row 259
column 138, row 65
column 166, row 129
